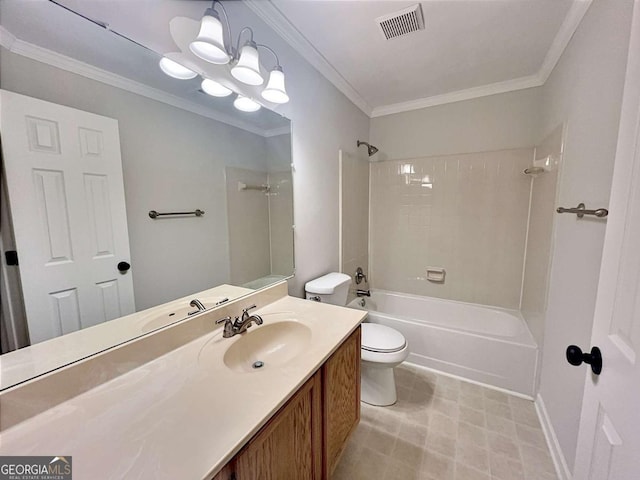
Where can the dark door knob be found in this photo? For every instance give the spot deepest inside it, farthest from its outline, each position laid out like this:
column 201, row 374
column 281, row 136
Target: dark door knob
column 576, row 357
column 123, row 267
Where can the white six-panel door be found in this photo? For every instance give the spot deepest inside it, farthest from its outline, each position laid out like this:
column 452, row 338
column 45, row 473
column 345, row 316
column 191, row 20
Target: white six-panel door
column 66, row 192
column 609, row 439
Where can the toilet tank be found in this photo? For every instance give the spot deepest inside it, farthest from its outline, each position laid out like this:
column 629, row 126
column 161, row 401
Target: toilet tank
column 331, row 288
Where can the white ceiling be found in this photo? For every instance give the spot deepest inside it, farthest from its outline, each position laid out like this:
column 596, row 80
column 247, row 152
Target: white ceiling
column 469, row 48
column 466, row 45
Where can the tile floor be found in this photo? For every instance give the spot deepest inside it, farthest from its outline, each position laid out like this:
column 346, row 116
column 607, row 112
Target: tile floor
column 445, row 429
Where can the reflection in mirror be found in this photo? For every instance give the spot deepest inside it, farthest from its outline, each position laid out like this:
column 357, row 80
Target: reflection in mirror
column 94, row 137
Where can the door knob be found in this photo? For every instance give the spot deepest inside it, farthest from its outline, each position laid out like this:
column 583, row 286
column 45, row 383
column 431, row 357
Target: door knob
column 594, row 358
column 123, row 267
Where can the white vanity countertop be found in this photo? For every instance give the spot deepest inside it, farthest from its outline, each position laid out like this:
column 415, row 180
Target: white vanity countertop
column 25, row 363
column 177, row 417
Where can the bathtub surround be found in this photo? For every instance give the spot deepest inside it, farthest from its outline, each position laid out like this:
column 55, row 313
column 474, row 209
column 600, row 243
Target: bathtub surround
column 259, row 222
column 248, row 220
column 535, row 282
column 354, row 215
column 464, row 213
column 280, row 215
column 280, row 203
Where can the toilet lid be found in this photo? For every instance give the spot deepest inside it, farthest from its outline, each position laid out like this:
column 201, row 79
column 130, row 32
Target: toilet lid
column 379, row 338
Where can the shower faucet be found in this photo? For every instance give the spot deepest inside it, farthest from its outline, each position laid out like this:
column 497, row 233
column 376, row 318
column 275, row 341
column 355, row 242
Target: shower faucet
column 360, row 276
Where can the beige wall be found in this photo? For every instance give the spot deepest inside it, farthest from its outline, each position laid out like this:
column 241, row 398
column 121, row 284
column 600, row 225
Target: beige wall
column 354, row 204
column 464, row 213
column 497, row 122
column 585, row 91
column 323, row 121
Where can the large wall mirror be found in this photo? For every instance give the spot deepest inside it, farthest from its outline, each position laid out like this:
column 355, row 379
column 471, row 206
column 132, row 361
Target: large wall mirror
column 95, row 138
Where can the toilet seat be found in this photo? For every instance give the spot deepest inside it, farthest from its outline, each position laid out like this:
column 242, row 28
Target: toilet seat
column 381, row 339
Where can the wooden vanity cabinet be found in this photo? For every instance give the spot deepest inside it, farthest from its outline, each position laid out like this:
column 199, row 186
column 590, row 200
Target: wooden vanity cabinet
column 305, row 439
column 341, row 399
column 289, row 447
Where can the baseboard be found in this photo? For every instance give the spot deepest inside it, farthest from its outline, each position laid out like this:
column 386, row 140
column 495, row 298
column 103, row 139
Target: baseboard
column 562, row 469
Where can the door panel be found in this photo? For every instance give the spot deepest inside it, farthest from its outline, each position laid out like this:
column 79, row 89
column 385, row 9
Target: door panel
column 65, row 310
column 609, row 438
column 96, row 188
column 605, row 441
column 51, row 199
column 65, row 186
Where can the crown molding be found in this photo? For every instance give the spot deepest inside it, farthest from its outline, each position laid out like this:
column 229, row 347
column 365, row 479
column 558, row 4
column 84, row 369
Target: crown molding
column 7, row 39
column 270, row 14
column 274, row 132
column 563, row 37
column 283, row 27
column 460, row 95
column 57, row 60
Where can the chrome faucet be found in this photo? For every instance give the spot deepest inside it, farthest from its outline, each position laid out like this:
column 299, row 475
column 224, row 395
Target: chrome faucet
column 198, row 304
column 228, row 327
column 360, row 276
column 363, row 293
column 240, row 325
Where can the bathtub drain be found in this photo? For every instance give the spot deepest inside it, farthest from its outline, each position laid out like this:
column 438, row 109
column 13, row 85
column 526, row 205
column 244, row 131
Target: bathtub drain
column 258, row 364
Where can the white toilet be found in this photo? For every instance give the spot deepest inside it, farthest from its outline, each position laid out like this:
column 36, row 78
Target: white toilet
column 383, row 348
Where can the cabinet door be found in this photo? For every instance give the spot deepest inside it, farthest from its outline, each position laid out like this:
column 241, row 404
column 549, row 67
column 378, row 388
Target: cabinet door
column 226, row 473
column 341, row 393
column 289, row 447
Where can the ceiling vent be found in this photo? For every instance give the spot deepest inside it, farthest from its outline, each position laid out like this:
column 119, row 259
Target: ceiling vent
column 402, row 22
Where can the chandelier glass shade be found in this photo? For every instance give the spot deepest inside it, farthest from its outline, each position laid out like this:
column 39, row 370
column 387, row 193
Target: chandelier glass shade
column 243, row 62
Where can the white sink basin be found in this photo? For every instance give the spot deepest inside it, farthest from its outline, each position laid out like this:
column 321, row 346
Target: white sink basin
column 273, row 344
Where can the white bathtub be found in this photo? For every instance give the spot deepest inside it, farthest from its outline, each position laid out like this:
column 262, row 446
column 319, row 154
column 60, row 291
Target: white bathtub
column 484, row 344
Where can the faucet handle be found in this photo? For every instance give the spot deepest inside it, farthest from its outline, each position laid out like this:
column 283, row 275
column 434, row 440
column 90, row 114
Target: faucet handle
column 245, row 311
column 228, row 327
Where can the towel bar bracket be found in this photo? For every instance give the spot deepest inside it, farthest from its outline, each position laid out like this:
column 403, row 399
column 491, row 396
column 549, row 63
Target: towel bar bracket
column 581, row 211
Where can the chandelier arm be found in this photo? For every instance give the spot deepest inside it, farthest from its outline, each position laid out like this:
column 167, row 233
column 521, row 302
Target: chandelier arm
column 237, row 52
column 226, row 18
column 266, row 47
